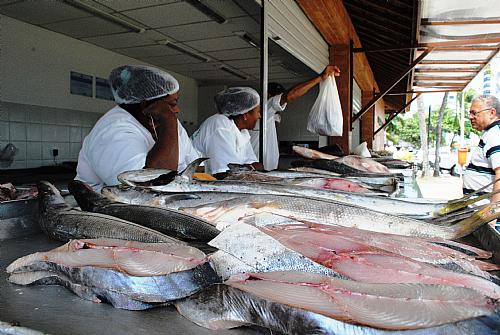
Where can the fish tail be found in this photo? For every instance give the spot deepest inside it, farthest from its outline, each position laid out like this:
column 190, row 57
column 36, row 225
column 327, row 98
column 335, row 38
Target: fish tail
column 484, row 215
column 86, row 197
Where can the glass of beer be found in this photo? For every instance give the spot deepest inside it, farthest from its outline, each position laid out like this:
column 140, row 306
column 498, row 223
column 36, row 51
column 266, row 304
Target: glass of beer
column 462, row 156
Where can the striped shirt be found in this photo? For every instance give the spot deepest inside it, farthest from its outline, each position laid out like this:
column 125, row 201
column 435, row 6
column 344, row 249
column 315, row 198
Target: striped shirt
column 484, row 161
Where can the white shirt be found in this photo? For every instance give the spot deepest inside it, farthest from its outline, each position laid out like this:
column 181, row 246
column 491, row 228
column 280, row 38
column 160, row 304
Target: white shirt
column 222, row 142
column 484, row 160
column 118, row 143
column 273, row 155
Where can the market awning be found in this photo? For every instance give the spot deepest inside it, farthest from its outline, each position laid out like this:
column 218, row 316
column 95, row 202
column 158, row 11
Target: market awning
column 464, row 36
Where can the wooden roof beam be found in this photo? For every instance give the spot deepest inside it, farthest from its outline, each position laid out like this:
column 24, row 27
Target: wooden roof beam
column 452, row 62
column 427, row 78
column 457, row 21
column 429, row 70
column 372, row 102
column 395, row 114
column 452, row 85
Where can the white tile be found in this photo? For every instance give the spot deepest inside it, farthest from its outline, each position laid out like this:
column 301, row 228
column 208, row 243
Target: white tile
column 17, row 131
column 75, row 134
column 21, row 150
column 33, row 132
column 4, row 114
column 63, row 149
column 62, row 133
column 74, row 117
column 63, row 117
column 18, row 115
column 33, row 150
column 33, row 163
column 47, row 150
column 74, row 149
column 49, row 133
column 17, row 165
column 85, row 132
column 4, row 131
column 49, row 116
column 64, row 153
column 34, row 115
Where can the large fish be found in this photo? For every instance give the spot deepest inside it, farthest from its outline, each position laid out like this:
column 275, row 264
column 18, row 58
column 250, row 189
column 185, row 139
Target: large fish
column 168, row 221
column 123, row 273
column 226, row 213
column 61, row 222
column 303, row 303
column 258, row 247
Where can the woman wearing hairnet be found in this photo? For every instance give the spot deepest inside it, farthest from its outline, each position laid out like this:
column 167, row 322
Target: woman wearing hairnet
column 141, row 131
column 224, row 137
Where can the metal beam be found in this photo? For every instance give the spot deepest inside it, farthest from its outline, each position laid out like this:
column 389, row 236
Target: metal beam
column 396, row 114
column 264, row 68
column 394, row 83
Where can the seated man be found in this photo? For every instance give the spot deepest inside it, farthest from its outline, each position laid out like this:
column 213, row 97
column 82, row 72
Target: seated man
column 142, row 131
column 224, row 137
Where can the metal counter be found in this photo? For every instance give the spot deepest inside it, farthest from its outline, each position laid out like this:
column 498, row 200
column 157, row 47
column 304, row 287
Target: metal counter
column 55, row 310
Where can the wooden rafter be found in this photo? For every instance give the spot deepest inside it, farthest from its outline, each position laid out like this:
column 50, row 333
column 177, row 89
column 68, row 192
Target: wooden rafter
column 429, row 78
column 416, row 92
column 428, row 70
column 424, row 84
column 461, row 42
column 431, row 22
column 452, row 62
column 396, row 114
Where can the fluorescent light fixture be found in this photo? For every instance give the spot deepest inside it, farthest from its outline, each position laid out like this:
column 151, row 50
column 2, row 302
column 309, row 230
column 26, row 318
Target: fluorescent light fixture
column 244, row 36
column 207, row 11
column 234, row 73
column 184, row 50
column 106, row 16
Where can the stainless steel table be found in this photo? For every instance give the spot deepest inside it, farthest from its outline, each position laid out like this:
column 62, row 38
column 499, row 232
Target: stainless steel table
column 55, row 310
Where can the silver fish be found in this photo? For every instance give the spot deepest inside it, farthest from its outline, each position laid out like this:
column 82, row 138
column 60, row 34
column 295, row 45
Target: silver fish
column 168, row 221
column 61, row 222
column 297, row 303
column 226, row 213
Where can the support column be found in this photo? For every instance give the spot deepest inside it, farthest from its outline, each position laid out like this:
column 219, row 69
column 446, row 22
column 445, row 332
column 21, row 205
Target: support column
column 367, row 120
column 340, row 55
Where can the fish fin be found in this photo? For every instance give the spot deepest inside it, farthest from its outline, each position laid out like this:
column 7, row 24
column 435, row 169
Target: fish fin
column 482, row 216
column 191, row 168
column 464, row 202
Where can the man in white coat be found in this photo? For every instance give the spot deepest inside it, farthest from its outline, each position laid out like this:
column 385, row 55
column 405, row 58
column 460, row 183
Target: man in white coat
column 278, row 98
column 224, row 137
column 141, row 131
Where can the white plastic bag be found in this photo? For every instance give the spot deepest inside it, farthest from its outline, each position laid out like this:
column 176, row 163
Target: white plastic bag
column 362, row 150
column 325, row 117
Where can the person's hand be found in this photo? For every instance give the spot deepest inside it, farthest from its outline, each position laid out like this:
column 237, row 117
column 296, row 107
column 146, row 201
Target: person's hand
column 160, row 111
column 329, row 71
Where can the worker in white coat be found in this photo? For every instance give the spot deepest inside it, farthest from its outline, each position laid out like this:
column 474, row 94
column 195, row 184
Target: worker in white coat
column 142, row 131
column 278, row 98
column 224, row 137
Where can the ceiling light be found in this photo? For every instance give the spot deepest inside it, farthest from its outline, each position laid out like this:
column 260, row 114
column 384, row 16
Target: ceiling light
column 244, row 36
column 184, row 50
column 207, row 11
column 234, row 73
column 106, row 16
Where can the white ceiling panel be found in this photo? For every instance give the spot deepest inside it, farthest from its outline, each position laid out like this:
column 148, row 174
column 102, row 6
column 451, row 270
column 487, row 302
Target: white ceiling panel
column 211, row 29
column 93, row 26
column 42, row 11
column 221, row 43
column 172, row 60
column 121, row 5
column 244, row 63
column 227, row 9
column 126, row 40
column 147, row 51
column 167, row 15
column 244, row 53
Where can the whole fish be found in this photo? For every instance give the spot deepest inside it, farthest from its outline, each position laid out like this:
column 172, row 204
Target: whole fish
column 226, row 213
column 302, row 303
column 311, row 153
column 61, row 222
column 159, row 273
column 167, row 221
column 269, row 249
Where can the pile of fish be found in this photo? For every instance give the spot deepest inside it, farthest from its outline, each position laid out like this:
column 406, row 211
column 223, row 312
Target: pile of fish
column 297, row 255
column 128, row 275
column 9, row 192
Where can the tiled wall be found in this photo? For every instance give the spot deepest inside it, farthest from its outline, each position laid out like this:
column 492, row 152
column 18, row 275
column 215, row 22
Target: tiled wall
column 36, row 130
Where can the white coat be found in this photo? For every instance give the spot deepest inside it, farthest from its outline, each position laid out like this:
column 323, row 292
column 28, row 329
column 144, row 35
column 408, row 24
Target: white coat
column 118, row 143
column 222, row 142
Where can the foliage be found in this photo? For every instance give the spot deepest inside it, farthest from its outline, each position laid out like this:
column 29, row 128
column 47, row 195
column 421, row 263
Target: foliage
column 406, row 129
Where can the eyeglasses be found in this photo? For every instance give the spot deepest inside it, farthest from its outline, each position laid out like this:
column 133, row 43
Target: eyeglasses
column 473, row 113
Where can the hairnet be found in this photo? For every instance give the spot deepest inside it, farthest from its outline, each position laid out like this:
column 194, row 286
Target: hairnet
column 133, row 84
column 236, row 100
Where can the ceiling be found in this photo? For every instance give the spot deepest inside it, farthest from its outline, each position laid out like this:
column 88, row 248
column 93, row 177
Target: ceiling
column 219, row 52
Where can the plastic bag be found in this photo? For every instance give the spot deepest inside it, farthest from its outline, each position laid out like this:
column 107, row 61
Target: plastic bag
column 362, row 150
column 325, row 117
